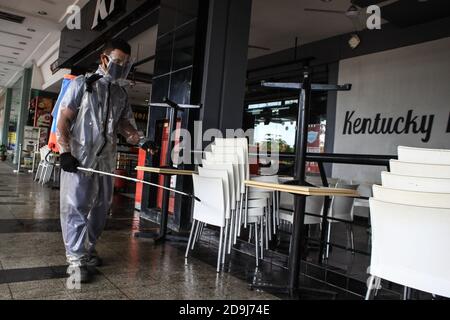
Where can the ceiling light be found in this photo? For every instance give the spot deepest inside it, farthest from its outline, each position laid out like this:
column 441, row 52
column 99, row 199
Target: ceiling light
column 42, row 13
column 354, row 41
column 31, row 30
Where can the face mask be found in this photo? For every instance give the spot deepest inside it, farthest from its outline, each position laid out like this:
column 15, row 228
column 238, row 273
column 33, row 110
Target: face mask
column 118, row 72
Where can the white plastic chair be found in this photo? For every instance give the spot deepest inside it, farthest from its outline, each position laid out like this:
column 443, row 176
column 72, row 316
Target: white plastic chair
column 222, row 159
column 413, row 198
column 43, row 152
column 221, row 173
column 211, row 209
column 256, row 213
column 423, row 184
column 240, row 147
column 264, row 198
column 423, row 155
column 420, row 169
column 342, row 208
column 410, row 247
column 272, row 203
column 314, row 205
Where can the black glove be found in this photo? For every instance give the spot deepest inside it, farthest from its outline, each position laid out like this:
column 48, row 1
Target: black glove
column 69, row 163
column 149, row 145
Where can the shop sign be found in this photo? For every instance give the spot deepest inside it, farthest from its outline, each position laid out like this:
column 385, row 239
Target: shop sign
column 103, row 12
column 411, row 123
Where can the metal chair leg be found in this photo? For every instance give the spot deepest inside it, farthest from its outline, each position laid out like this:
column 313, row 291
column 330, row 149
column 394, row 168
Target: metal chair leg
column 267, row 227
column 225, row 240
column 268, row 224
column 240, row 216
column 38, row 172
column 370, row 287
column 327, row 251
column 190, row 238
column 256, row 244
column 219, row 258
column 246, row 208
column 274, row 215
column 261, row 221
column 352, row 240
column 196, row 235
column 230, row 240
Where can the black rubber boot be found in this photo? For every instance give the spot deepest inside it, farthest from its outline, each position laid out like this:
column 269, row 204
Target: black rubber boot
column 85, row 275
column 94, row 261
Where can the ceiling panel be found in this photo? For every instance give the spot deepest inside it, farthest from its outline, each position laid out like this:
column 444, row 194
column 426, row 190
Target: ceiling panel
column 276, row 24
column 405, row 13
column 28, row 41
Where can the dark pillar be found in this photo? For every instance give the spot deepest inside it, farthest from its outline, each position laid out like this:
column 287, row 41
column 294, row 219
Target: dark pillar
column 178, row 65
column 201, row 58
column 225, row 68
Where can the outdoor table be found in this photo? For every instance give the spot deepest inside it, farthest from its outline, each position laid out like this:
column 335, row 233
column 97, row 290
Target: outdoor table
column 166, row 171
column 162, row 235
column 299, row 191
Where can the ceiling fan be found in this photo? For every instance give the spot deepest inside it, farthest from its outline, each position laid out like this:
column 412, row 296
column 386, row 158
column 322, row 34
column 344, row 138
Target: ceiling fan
column 259, row 48
column 353, row 13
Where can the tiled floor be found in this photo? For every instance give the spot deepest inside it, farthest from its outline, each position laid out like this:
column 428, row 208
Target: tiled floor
column 32, row 258
column 32, row 261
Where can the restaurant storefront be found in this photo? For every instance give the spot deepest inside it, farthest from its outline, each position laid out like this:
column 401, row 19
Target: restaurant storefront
column 177, row 68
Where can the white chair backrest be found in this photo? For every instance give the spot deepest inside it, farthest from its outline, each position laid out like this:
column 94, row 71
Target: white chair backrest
column 420, row 169
column 228, row 153
column 422, row 184
column 222, row 174
column 422, row 155
column 213, row 159
column 314, row 205
column 237, row 142
column 286, row 201
column 267, row 179
column 342, row 207
column 414, row 198
column 262, row 192
column 257, row 203
column 211, row 209
column 44, row 151
column 410, row 246
column 231, row 180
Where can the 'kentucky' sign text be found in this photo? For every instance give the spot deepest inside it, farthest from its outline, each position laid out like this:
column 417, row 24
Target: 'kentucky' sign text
column 410, row 124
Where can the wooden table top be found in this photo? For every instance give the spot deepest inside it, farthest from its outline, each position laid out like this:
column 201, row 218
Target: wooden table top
column 303, row 190
column 172, row 171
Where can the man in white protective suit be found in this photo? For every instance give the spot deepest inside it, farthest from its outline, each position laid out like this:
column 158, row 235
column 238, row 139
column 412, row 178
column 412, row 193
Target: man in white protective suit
column 92, row 112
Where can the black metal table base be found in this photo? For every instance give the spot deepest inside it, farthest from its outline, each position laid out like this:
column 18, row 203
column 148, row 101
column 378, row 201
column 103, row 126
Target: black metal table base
column 158, row 238
column 292, row 292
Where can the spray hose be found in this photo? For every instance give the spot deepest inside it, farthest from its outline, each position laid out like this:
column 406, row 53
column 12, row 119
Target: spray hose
column 139, row 181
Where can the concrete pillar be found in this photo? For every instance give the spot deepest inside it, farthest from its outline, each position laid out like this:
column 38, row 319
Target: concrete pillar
column 5, row 128
column 23, row 112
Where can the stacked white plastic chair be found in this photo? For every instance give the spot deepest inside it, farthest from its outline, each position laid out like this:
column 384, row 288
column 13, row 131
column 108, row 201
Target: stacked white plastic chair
column 227, row 161
column 253, row 208
column 210, row 210
column 410, row 216
column 46, row 167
